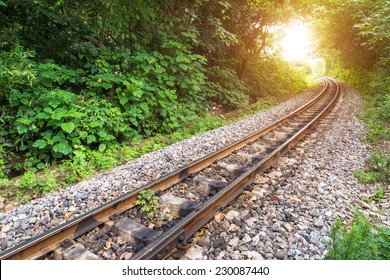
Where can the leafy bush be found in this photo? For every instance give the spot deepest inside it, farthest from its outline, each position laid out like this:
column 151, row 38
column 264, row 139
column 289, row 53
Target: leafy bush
column 225, row 87
column 41, row 184
column 4, row 183
column 52, row 122
column 73, row 171
column 357, row 242
column 367, row 177
column 2, row 163
column 380, row 163
column 149, row 204
column 379, row 194
column 378, row 171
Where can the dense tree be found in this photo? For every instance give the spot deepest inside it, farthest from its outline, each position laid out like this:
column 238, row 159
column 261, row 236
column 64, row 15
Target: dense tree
column 80, row 75
column 354, row 38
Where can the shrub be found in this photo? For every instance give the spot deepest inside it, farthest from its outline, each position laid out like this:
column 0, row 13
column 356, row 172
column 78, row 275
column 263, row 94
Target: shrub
column 44, row 183
column 148, row 203
column 357, row 242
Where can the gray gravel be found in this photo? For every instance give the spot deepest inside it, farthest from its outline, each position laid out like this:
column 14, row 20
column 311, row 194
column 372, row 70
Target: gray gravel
column 21, row 223
column 289, row 212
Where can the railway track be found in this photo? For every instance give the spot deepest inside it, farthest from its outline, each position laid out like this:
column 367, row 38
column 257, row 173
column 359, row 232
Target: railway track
column 193, row 194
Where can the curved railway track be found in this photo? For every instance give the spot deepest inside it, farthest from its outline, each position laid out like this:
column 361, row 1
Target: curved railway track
column 217, row 179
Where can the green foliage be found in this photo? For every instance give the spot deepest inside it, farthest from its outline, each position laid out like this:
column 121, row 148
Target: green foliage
column 44, row 183
column 149, row 204
column 381, row 163
column 377, row 117
column 130, row 152
column 357, row 242
column 201, row 125
column 367, row 177
column 226, row 88
column 101, row 161
column 379, row 194
column 4, row 183
column 260, row 106
column 375, row 28
column 85, row 161
column 22, row 197
column 379, row 169
column 73, row 171
column 2, row 163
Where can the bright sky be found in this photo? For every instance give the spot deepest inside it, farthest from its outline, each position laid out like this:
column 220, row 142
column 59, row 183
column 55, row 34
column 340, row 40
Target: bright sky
column 296, row 44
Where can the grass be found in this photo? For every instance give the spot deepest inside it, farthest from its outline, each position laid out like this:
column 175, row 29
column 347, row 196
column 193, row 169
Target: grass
column 377, row 117
column 358, row 240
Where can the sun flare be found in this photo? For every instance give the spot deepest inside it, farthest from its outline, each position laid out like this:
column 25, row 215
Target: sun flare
column 296, row 44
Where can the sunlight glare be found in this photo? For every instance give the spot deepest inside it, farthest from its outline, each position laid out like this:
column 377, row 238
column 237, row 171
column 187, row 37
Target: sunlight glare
column 296, row 44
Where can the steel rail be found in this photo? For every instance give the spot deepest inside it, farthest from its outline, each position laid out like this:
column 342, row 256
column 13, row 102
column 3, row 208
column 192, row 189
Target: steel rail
column 51, row 239
column 190, row 224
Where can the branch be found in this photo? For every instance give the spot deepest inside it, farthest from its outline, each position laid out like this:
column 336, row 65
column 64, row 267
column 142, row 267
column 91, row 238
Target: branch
column 93, row 40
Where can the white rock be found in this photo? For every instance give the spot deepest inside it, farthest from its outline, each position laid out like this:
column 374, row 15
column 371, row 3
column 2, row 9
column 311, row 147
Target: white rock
column 256, row 256
column 232, row 214
column 274, row 175
column 194, row 253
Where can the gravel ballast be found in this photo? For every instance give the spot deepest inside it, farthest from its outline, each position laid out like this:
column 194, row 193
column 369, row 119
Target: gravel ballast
column 289, row 211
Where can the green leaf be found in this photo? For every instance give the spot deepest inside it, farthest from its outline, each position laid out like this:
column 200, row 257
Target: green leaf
column 68, row 127
column 54, row 123
column 62, row 148
column 3, row 4
column 41, row 165
column 126, row 83
column 75, row 114
column 102, row 147
column 134, row 121
column 106, row 85
column 21, row 129
column 137, row 93
column 94, row 124
column 58, row 115
column 102, row 133
column 24, row 121
column 109, row 137
column 60, row 137
column 46, row 134
column 91, row 139
column 54, row 103
column 196, row 88
column 40, row 144
column 183, row 66
column 43, row 116
column 144, row 106
column 83, row 134
column 123, row 100
column 146, row 68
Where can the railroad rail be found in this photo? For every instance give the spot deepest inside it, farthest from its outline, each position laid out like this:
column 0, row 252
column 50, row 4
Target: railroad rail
column 255, row 153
